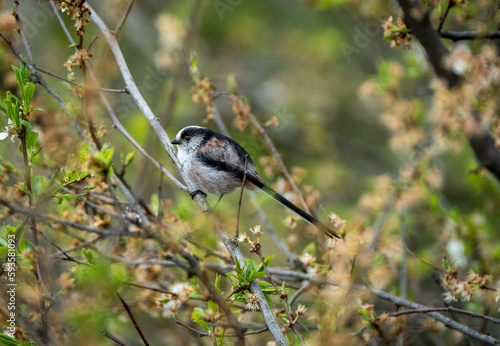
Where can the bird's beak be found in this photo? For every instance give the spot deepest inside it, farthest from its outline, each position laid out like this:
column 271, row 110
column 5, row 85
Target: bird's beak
column 176, row 141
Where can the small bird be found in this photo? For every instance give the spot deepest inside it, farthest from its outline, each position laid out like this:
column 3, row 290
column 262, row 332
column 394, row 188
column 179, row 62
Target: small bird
column 217, row 165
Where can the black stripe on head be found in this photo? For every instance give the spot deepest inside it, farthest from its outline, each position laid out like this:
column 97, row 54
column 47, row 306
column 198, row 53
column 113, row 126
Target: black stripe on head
column 192, row 131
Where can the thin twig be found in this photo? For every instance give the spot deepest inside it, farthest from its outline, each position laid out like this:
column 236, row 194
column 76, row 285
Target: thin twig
column 470, row 35
column 305, row 286
column 119, row 27
column 114, row 338
column 27, row 46
column 451, row 3
column 77, row 247
column 116, row 91
column 134, row 321
column 91, row 43
column 192, row 329
column 160, row 290
column 237, row 233
column 449, row 309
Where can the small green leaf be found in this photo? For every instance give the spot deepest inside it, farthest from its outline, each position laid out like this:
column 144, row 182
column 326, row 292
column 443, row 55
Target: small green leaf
column 268, row 260
column 212, row 305
column 38, row 185
column 446, row 264
column 22, row 188
column 202, row 323
column 27, row 94
column 129, row 158
column 257, row 275
column 6, row 340
column 31, row 138
column 26, row 123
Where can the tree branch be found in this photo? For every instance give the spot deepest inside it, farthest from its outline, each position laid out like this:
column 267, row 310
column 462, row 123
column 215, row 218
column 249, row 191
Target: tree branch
column 449, row 309
column 470, row 35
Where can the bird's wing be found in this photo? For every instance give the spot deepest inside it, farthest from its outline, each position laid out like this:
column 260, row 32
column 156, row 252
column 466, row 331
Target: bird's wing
column 226, row 155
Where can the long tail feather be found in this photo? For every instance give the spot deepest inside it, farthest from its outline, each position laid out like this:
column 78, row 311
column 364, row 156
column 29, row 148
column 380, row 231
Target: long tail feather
column 240, row 173
column 286, row 203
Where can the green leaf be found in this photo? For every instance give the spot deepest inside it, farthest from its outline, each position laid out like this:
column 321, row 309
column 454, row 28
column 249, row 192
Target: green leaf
column 446, row 264
column 27, row 124
column 31, row 138
column 19, row 77
column 89, row 255
column 212, row 305
column 3, row 252
column 268, row 260
column 67, row 196
column 202, row 323
column 129, row 158
column 27, row 95
column 21, row 242
column 217, row 282
column 155, row 203
column 6, row 340
column 257, row 275
column 22, row 188
column 35, row 152
column 310, row 248
column 38, row 185
column 3, row 243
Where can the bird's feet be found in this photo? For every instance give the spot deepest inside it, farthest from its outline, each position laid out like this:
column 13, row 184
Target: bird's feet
column 195, row 192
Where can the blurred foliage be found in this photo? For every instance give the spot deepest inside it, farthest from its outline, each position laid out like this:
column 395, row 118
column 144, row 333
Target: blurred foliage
column 366, row 132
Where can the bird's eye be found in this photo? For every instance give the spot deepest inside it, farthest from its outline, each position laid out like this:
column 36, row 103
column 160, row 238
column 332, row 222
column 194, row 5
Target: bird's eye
column 187, row 138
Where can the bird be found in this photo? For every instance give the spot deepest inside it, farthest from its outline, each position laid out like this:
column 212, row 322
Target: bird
column 216, row 164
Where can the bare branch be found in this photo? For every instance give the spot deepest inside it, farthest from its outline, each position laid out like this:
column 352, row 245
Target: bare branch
column 192, row 329
column 470, row 35
column 449, row 309
column 92, row 87
column 134, row 321
column 451, row 3
column 119, row 27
